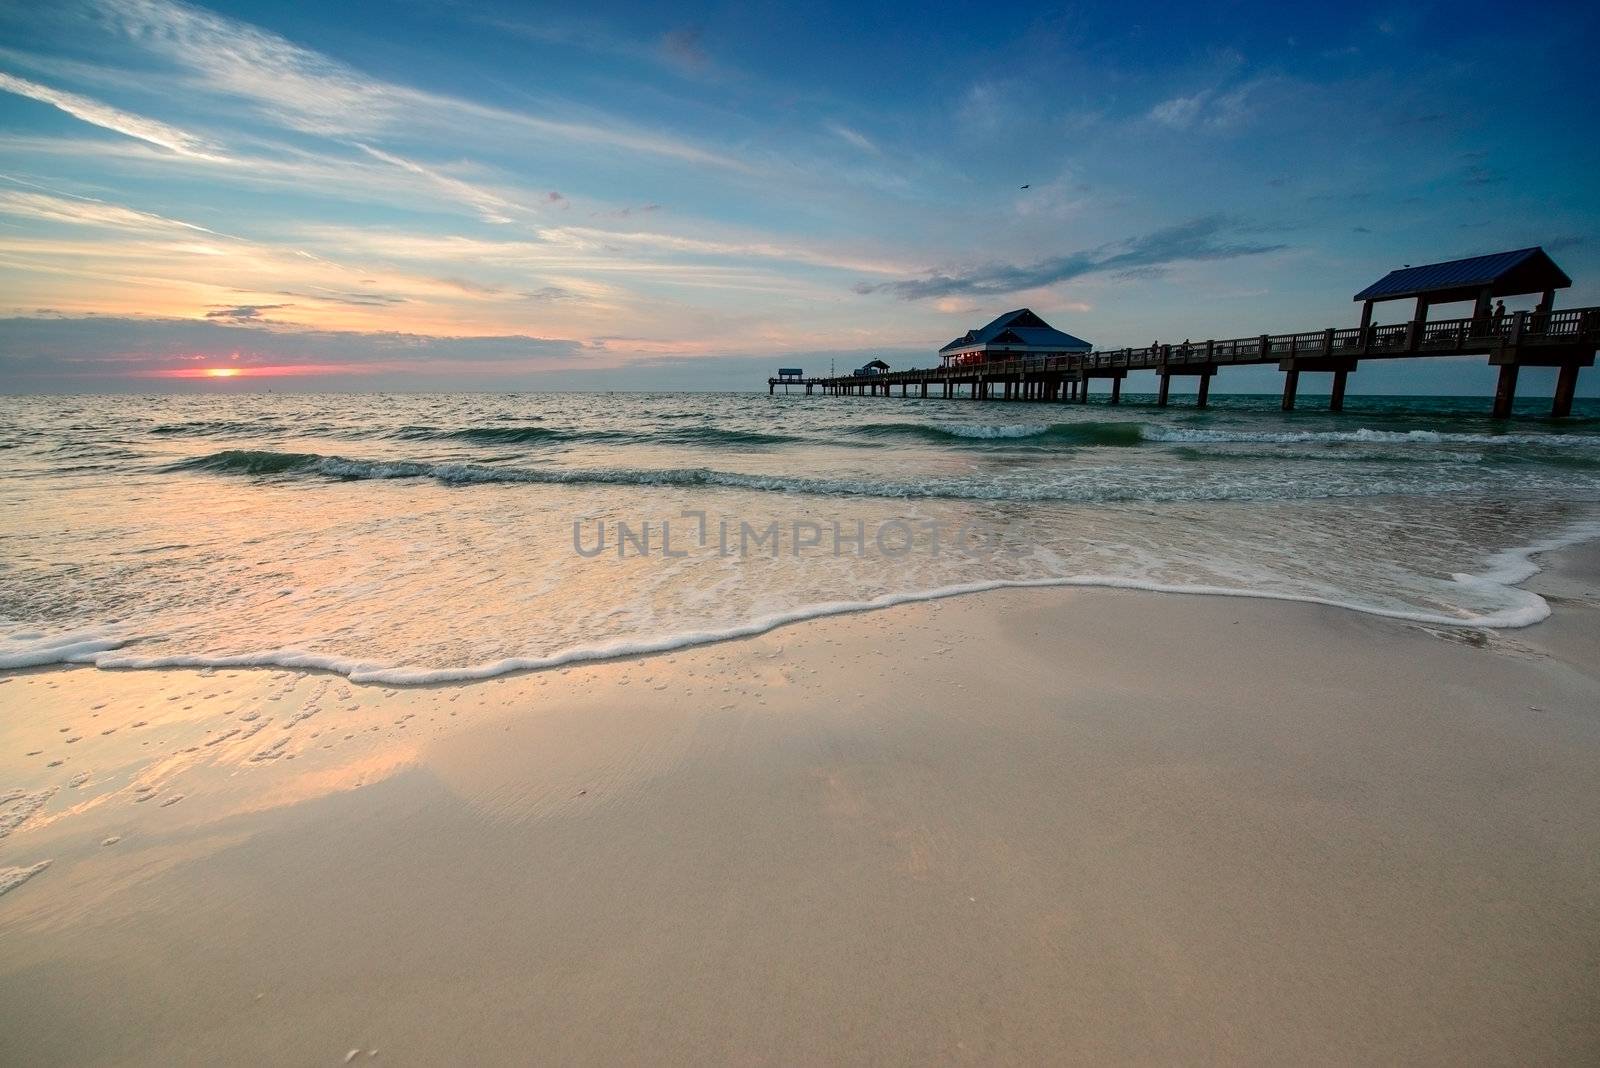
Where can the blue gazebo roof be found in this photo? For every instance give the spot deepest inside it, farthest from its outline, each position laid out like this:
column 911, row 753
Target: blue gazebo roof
column 1020, row 327
column 1523, row 270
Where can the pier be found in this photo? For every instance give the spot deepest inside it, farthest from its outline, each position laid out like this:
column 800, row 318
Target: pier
column 1018, row 357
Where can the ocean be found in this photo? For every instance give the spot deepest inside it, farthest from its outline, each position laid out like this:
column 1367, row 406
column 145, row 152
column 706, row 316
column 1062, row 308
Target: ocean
column 423, row 538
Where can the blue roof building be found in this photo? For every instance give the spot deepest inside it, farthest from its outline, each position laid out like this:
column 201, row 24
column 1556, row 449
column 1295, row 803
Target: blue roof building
column 1015, row 334
column 1476, row 278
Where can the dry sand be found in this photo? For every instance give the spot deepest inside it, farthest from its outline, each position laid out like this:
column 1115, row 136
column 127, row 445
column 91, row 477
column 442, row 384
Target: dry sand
column 1024, row 826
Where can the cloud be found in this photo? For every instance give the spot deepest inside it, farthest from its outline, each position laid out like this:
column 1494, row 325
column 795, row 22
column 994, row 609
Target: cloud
column 491, row 207
column 244, row 312
column 109, row 118
column 1208, row 109
column 1199, row 239
column 354, row 300
column 84, row 211
column 1180, row 111
column 108, row 348
column 626, row 211
column 854, row 137
column 551, row 295
column 982, row 107
column 312, row 93
column 682, row 47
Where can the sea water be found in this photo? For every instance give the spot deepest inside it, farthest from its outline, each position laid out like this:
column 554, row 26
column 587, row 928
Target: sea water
column 411, row 538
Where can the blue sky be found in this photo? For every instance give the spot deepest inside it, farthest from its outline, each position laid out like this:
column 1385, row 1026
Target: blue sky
column 503, row 195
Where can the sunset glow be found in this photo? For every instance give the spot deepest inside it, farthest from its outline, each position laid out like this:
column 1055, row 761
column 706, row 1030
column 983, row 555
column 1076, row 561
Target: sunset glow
column 254, row 371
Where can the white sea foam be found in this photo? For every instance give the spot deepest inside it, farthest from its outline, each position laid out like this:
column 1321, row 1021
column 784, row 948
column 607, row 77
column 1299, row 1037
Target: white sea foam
column 1363, row 436
column 1015, row 430
column 1520, row 608
column 25, row 649
column 11, row 878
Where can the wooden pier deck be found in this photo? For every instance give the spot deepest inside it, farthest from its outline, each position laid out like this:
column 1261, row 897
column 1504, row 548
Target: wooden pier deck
column 1565, row 339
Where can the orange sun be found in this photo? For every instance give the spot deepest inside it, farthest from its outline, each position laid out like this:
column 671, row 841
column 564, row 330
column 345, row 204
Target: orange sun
column 222, row 372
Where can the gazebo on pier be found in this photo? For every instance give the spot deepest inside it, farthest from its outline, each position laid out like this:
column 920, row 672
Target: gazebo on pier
column 1482, row 279
column 1015, row 335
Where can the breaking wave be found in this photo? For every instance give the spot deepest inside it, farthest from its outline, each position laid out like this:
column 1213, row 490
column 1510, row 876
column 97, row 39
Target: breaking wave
column 1085, row 433
column 1362, row 436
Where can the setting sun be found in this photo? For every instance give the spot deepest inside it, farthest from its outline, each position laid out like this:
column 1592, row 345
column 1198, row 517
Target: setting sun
column 222, row 372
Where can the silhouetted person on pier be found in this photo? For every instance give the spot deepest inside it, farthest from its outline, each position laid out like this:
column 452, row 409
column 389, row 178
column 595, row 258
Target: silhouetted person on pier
column 1499, row 313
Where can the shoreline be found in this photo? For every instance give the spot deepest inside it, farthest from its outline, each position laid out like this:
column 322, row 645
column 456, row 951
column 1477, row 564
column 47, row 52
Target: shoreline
column 1509, row 568
column 1110, row 825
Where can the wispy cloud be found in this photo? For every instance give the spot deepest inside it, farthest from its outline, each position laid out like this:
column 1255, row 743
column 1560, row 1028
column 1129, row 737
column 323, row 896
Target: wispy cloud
column 1207, row 109
column 83, row 211
column 491, row 207
column 306, row 91
column 244, row 312
column 1213, row 237
column 853, row 137
column 107, row 117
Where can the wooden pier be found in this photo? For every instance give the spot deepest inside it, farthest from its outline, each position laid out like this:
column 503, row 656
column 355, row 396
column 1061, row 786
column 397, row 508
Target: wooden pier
column 1544, row 337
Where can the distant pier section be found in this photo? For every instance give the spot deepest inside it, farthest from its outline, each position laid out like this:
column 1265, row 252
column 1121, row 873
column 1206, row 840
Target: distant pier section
column 1020, row 357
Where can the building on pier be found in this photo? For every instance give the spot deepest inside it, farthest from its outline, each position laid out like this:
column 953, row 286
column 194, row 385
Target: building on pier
column 1479, row 279
column 1015, row 335
column 1482, row 279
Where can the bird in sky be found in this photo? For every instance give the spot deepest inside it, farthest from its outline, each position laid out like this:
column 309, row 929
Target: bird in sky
column 1026, row 187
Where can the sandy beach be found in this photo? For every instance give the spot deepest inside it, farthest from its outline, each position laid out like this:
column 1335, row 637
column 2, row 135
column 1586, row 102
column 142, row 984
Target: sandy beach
column 1021, row 826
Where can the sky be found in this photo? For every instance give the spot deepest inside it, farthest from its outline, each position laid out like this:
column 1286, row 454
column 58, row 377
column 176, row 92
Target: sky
column 461, row 195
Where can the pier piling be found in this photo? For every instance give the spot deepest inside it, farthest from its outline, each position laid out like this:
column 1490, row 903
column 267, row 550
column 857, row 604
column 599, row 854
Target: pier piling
column 1566, row 386
column 1505, row 393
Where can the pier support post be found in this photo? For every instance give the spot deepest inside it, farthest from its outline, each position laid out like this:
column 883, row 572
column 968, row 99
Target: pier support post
column 1162, row 390
column 1291, row 382
column 924, row 389
column 1566, row 386
column 1205, row 390
column 1116, row 391
column 1336, row 402
column 1083, row 392
column 1505, row 394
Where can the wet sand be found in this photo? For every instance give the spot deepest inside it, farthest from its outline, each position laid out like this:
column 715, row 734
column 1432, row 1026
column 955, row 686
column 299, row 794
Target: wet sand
column 1021, row 826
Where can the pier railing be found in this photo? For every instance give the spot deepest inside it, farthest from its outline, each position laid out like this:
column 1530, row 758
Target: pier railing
column 1565, row 339
column 1438, row 337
